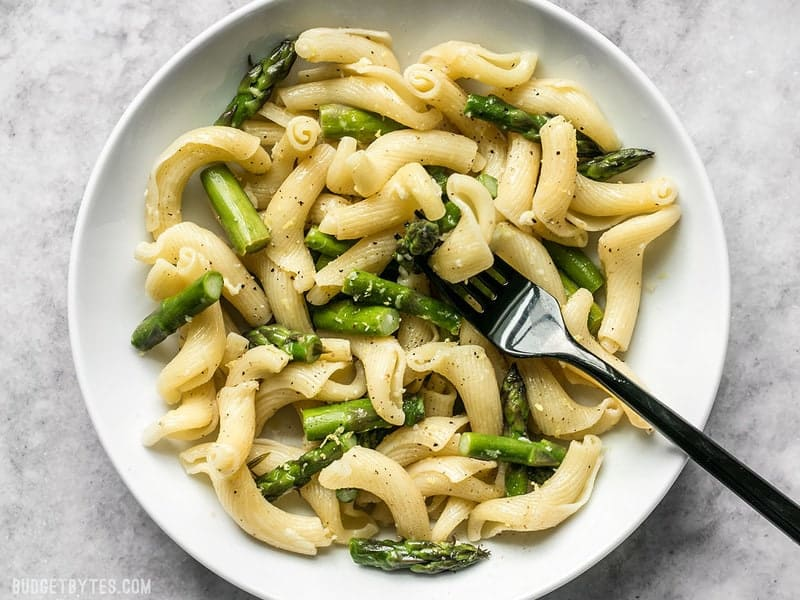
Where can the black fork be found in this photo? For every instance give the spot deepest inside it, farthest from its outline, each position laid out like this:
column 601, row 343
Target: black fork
column 525, row 321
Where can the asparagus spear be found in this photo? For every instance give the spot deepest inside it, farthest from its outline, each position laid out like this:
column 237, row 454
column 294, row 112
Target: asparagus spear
column 515, row 414
column 539, row 475
column 346, row 317
column 489, row 182
column 371, row 289
column 520, row 451
column 237, row 215
column 603, row 168
column 326, row 244
column 506, row 116
column 415, row 555
column 303, row 347
column 595, row 318
column 515, row 404
column 177, row 310
column 257, row 85
column 420, row 238
column 373, row 437
column 297, row 473
column 339, row 120
column 516, row 480
column 440, row 175
column 576, row 265
column 510, row 118
column 413, row 408
column 346, row 494
column 452, row 214
column 355, row 416
column 322, row 262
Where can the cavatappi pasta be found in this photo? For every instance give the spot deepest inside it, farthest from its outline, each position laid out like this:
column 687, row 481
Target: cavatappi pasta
column 222, row 394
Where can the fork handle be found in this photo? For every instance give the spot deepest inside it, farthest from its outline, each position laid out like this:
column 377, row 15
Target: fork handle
column 751, row 487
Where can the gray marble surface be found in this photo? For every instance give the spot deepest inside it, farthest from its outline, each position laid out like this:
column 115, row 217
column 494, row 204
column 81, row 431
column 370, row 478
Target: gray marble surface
column 67, row 70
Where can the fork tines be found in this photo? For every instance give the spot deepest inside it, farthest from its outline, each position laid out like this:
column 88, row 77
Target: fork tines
column 497, row 284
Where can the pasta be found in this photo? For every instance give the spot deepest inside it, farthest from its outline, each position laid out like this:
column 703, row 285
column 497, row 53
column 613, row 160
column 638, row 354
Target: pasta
column 548, row 505
column 293, row 146
column 370, row 470
column 373, row 167
column 472, row 61
column 478, row 192
column 434, row 86
column 555, row 413
column 369, row 93
column 371, row 253
column 196, row 417
column 184, row 156
column 567, row 98
column 346, row 46
column 556, row 186
column 466, row 251
column 517, row 183
column 528, row 256
column 287, row 214
column 409, row 189
column 241, row 499
column 470, row 371
column 241, row 288
column 621, row 251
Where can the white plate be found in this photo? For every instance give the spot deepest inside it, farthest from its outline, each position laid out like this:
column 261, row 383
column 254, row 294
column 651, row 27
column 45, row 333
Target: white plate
column 678, row 348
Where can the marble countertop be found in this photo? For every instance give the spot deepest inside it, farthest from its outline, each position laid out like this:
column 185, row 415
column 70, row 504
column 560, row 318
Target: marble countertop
column 731, row 70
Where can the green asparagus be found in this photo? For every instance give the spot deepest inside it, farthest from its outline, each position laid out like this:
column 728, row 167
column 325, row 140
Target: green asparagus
column 373, row 437
column 296, row 473
column 415, row 555
column 539, row 475
column 339, row 120
column 515, row 415
column 419, row 239
column 326, row 244
column 440, row 175
column 414, row 410
column 603, row 168
column 356, row 416
column 367, row 288
column 504, row 115
column 257, row 85
column 595, row 318
column 303, row 347
column 346, row 494
column 515, row 404
column 237, row 215
column 576, row 265
column 422, row 236
column 345, row 316
column 489, row 182
column 519, row 451
column 516, row 480
column 510, row 118
column 452, row 214
column 177, row 310
column 322, row 261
